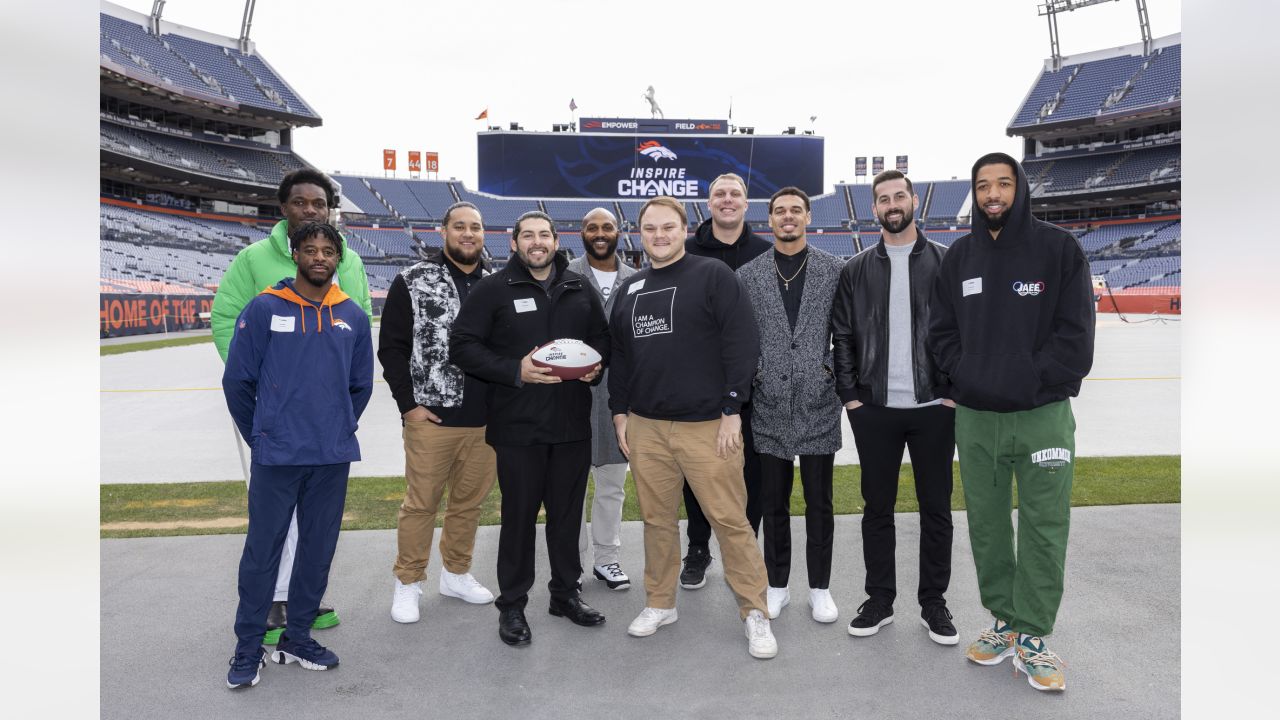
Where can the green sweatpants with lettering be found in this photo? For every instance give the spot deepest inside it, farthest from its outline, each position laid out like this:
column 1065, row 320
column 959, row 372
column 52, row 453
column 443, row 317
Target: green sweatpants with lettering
column 1021, row 584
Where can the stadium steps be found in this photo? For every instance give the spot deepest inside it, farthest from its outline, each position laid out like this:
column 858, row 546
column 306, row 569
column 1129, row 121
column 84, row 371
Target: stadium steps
column 922, row 213
column 1053, row 102
column 848, row 204
column 1116, row 96
column 385, row 203
column 454, row 190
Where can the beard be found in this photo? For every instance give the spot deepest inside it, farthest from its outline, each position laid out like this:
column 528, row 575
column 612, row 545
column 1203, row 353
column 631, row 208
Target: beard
column 997, row 221
column 896, row 226
column 590, row 247
column 462, row 257
column 524, row 257
column 794, row 236
column 319, row 278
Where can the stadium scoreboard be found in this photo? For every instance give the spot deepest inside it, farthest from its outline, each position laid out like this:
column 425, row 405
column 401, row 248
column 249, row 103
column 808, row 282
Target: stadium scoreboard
column 622, row 159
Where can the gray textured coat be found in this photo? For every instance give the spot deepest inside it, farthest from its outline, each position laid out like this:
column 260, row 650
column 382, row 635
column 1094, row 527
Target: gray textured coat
column 604, row 441
column 795, row 409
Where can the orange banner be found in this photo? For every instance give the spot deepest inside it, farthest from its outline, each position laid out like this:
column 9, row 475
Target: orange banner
column 415, row 161
column 433, row 162
column 388, row 159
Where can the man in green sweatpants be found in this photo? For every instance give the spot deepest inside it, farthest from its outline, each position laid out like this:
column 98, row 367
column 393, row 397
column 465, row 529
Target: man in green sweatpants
column 1011, row 325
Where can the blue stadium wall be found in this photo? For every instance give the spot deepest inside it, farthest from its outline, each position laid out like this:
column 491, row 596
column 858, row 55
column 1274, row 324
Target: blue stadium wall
column 586, row 165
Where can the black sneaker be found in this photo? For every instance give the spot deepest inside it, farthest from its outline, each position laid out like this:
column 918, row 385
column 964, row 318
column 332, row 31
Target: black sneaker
column 694, row 574
column 872, row 615
column 937, row 618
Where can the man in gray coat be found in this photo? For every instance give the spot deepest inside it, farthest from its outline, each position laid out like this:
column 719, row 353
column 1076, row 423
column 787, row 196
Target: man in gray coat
column 797, row 411
column 601, row 266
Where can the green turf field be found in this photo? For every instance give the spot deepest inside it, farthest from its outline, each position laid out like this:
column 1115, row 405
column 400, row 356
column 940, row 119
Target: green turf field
column 147, row 510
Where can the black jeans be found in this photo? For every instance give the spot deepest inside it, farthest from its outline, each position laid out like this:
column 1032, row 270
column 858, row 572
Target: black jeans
column 777, row 476
column 880, row 434
column 550, row 476
column 699, row 528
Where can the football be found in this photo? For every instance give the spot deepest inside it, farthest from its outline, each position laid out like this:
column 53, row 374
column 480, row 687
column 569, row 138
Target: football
column 568, row 359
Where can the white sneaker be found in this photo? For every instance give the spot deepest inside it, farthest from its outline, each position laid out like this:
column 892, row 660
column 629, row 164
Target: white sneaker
column 778, row 598
column 649, row 620
column 404, row 603
column 464, row 587
column 760, row 641
column 824, row 608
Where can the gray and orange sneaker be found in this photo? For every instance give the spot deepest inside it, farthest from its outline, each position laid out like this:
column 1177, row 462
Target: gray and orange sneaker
column 1042, row 666
column 993, row 645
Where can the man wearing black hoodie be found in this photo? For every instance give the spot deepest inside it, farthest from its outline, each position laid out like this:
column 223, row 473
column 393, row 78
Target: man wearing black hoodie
column 726, row 237
column 1011, row 326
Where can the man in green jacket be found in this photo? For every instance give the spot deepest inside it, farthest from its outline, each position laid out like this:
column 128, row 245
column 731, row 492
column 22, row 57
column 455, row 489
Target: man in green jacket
column 305, row 195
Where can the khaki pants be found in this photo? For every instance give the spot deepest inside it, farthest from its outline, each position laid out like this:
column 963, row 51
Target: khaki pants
column 437, row 457
column 666, row 454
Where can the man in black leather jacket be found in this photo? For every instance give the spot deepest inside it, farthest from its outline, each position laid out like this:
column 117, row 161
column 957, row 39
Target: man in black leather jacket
column 896, row 398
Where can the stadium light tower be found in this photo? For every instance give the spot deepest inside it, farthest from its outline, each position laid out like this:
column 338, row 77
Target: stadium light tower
column 245, row 24
column 1051, row 8
column 157, row 9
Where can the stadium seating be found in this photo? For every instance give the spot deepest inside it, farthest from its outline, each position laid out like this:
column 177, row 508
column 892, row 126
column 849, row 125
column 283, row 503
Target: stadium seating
column 264, row 167
column 497, row 212
column 1116, row 169
column 198, row 65
column 948, row 199
column 1104, row 86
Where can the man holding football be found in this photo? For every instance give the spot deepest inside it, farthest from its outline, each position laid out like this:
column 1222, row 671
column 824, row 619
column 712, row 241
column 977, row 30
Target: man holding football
column 539, row 426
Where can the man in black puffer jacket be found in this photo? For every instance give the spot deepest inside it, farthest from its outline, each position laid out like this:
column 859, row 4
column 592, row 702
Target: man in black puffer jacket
column 539, row 427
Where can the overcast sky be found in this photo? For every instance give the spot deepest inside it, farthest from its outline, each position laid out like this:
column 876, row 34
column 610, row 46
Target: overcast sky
column 937, row 80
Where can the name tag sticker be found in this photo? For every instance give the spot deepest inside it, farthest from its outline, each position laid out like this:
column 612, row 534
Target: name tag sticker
column 972, row 286
column 282, row 324
column 526, row 305
column 635, row 286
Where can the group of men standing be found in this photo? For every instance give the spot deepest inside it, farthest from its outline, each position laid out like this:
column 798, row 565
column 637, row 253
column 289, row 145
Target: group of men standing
column 724, row 360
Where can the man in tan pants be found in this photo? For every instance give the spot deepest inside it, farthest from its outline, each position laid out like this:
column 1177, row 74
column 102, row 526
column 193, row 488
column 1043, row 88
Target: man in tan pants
column 685, row 349
column 444, row 414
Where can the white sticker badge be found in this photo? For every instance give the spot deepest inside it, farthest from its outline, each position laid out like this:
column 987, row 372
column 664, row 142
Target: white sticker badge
column 526, row 305
column 635, row 286
column 280, row 323
column 972, row 286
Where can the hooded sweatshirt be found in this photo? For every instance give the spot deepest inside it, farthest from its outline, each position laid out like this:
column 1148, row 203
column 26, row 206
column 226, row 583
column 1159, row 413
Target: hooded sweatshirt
column 299, row 375
column 743, row 250
column 1012, row 318
column 262, row 265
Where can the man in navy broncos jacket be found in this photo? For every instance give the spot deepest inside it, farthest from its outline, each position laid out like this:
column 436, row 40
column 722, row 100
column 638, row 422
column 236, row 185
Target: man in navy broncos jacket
column 299, row 374
column 539, row 427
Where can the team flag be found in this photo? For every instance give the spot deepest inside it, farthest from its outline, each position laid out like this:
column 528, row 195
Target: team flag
column 572, row 105
column 484, row 114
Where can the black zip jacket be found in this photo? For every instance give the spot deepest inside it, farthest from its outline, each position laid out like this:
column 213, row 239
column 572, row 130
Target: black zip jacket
column 860, row 324
column 505, row 316
column 1012, row 319
column 685, row 344
column 745, row 249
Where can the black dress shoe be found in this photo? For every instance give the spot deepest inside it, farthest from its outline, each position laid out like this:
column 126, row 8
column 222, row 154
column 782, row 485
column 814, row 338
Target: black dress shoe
column 577, row 611
column 513, row 628
column 278, row 616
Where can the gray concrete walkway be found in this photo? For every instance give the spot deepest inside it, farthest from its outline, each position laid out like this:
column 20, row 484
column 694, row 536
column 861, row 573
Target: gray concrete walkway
column 167, row 606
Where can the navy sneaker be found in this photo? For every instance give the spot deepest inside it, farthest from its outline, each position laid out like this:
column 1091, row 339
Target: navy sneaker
column 245, row 667
column 307, row 653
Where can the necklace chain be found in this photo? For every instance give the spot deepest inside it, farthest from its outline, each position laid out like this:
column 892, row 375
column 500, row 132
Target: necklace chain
column 786, row 281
